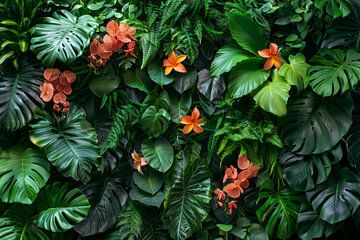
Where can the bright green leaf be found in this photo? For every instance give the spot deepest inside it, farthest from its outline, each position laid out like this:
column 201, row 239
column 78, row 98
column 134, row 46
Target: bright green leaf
column 295, row 72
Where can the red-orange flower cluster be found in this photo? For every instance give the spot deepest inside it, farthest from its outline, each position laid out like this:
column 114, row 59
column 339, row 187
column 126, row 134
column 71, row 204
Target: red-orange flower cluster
column 119, row 36
column 237, row 181
column 56, row 86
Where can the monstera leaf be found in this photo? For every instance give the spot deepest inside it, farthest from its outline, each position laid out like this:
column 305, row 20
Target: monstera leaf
column 23, row 172
column 69, row 143
column 155, row 122
column 60, row 208
column 310, row 226
column 335, row 72
column 353, row 143
column 313, row 124
column 107, row 198
column 17, row 223
column 247, row 77
column 62, row 37
column 19, row 95
column 187, row 204
column 246, row 32
column 158, row 153
column 335, row 8
column 226, row 58
column 338, row 198
column 303, row 173
column 279, row 211
column 295, row 72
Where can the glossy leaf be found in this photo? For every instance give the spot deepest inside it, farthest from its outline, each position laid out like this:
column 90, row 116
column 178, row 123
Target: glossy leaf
column 179, row 107
column 145, row 198
column 187, row 204
column 353, row 144
column 313, row 124
column 155, row 122
column 157, row 74
column 105, row 82
column 158, row 153
column 185, row 81
column 23, row 172
column 151, row 183
column 296, row 71
column 210, row 87
column 70, row 144
column 335, row 8
column 62, row 37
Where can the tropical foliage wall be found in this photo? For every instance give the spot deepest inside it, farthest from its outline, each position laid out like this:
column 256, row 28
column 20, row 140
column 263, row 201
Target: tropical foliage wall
column 179, row 119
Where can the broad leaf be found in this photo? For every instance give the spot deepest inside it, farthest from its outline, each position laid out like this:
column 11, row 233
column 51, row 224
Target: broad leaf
column 279, row 211
column 105, row 82
column 23, row 172
column 226, row 58
column 273, row 96
column 185, row 81
column 61, row 208
column 157, row 74
column 310, row 226
column 70, row 143
column 187, row 204
column 313, row 124
column 335, row 8
column 303, row 173
column 145, row 198
column 338, row 198
column 295, row 72
column 179, row 107
column 158, row 153
column 353, row 144
column 155, row 122
column 62, row 37
column 19, row 95
column 138, row 79
column 210, row 87
column 150, row 183
column 246, row 32
column 335, row 72
column 107, row 198
column 247, row 77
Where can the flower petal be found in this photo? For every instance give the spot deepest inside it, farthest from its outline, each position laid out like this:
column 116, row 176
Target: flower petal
column 168, row 70
column 172, row 57
column 268, row 63
column 180, row 68
column 265, row 53
column 180, row 58
column 187, row 128
column 186, row 120
column 277, row 62
column 273, row 48
column 195, row 114
column 167, row 63
column 197, row 129
column 243, row 163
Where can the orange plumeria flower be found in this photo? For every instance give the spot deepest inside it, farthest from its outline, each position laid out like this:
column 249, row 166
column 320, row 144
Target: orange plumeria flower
column 193, row 122
column 231, row 173
column 47, row 92
column 174, row 62
column 272, row 55
column 232, row 205
column 138, row 161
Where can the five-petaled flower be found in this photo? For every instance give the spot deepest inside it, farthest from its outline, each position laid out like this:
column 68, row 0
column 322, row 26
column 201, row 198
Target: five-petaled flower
column 193, row 122
column 138, row 161
column 174, row 62
column 272, row 55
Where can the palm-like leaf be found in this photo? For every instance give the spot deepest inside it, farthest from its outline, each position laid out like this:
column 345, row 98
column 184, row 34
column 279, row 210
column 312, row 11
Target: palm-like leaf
column 62, row 37
column 19, row 95
column 70, row 143
column 23, row 172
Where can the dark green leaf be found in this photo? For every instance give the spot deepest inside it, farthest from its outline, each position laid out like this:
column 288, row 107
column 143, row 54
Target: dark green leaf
column 138, row 79
column 145, row 198
column 179, row 107
column 210, row 87
column 335, row 8
column 157, row 74
column 150, row 184
column 158, row 153
column 353, row 144
column 155, row 122
column 185, row 81
column 105, row 82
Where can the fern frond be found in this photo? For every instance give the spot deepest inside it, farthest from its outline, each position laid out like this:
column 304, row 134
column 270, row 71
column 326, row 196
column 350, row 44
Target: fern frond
column 130, row 223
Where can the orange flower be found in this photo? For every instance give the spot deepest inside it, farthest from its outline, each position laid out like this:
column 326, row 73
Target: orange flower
column 130, row 51
column 174, row 62
column 231, row 173
column 220, row 194
column 242, row 179
column 138, row 161
column 59, row 98
column 192, row 122
column 233, row 190
column 110, row 42
column 94, row 45
column 232, row 205
column 68, row 76
column 51, row 74
column 272, row 55
column 244, row 164
column 47, row 91
column 112, row 28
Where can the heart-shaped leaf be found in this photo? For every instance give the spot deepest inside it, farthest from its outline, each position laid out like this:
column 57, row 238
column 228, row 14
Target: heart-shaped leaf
column 159, row 153
column 295, row 72
column 151, row 183
column 145, row 198
column 157, row 74
column 185, row 81
column 155, row 122
column 210, row 87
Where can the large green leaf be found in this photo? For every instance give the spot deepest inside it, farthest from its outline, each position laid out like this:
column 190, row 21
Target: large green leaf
column 155, row 122
column 138, row 79
column 295, row 72
column 335, row 8
column 150, row 183
column 273, row 96
column 313, row 124
column 280, row 210
column 23, row 172
column 335, row 72
column 226, row 58
column 104, row 82
column 157, row 74
column 187, row 202
column 179, row 107
column 303, row 173
column 145, row 198
column 17, row 224
column 107, row 198
column 60, row 208
column 69, row 143
column 158, row 153
column 62, row 37
column 310, row 225
column 353, row 144
column 338, row 198
column 210, row 87
column 19, row 95
column 246, row 32
column 247, row 77
column 185, row 81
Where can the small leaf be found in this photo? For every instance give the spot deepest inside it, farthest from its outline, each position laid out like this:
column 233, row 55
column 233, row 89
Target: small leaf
column 210, row 87
column 224, row 227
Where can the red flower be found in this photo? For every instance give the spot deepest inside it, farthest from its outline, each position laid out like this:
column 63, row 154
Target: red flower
column 232, row 205
column 231, row 173
column 174, row 62
column 192, row 122
column 51, row 74
column 59, row 98
column 233, row 190
column 220, row 194
column 47, row 92
column 272, row 55
column 112, row 28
